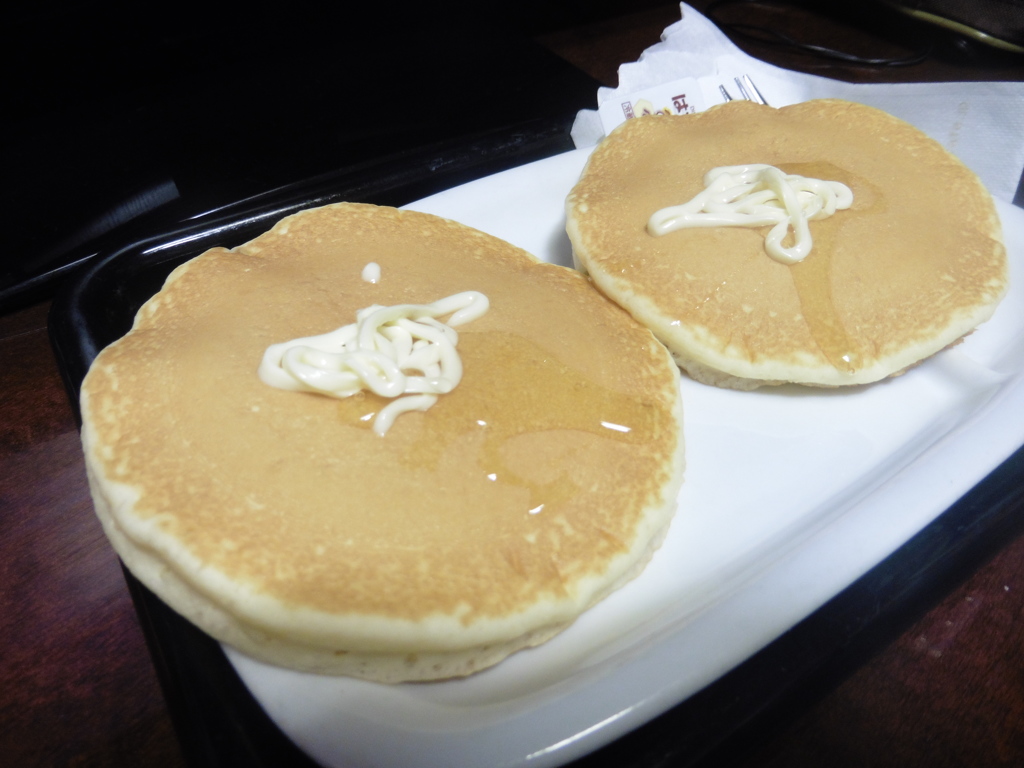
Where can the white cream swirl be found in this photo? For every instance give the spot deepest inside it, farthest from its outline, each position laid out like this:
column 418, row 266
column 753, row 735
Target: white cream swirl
column 757, row 196
column 371, row 273
column 400, row 352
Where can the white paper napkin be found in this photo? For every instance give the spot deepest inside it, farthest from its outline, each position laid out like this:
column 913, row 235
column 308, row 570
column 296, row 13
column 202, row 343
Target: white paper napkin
column 982, row 123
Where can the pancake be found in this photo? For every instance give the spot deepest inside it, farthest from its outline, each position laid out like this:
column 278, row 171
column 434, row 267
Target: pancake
column 912, row 266
column 282, row 524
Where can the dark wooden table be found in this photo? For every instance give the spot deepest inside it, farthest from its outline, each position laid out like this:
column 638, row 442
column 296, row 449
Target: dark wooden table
column 77, row 687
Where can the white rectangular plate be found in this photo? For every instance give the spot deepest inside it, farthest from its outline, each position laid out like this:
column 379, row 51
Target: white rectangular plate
column 790, row 495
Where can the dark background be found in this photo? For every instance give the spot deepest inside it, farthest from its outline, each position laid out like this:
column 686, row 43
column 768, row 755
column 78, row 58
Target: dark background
column 117, row 109
column 149, row 113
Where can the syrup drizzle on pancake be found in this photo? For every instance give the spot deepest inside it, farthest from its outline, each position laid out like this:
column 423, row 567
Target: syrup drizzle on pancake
column 812, row 277
column 583, row 409
column 813, row 280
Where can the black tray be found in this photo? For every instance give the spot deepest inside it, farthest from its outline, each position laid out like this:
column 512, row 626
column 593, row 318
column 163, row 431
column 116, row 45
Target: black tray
column 220, row 724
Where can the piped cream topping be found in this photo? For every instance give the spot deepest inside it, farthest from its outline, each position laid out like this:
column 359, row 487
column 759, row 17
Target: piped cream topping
column 371, row 273
column 757, row 196
column 401, row 352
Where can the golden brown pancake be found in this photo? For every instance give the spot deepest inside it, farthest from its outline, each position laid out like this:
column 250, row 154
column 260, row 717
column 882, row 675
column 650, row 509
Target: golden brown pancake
column 915, row 264
column 279, row 523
